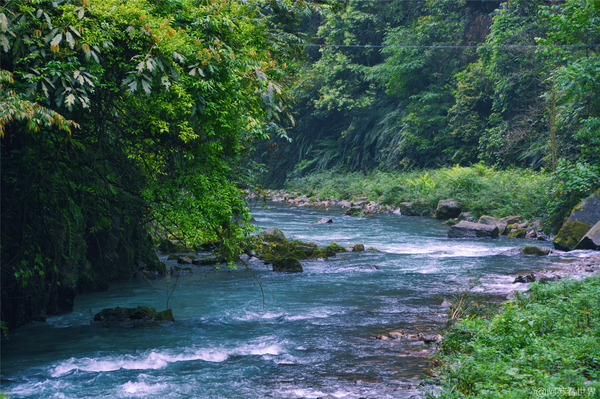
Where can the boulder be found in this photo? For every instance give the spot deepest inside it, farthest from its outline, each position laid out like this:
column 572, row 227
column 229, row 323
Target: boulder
column 414, row 208
column 466, row 216
column 472, row 230
column 272, row 234
column 448, row 209
column 525, row 278
column 358, row 248
column 353, row 211
column 511, row 219
column 323, row 221
column 518, row 233
column 492, row 221
column 591, row 240
column 119, row 314
column 533, row 250
column 287, row 265
column 583, row 217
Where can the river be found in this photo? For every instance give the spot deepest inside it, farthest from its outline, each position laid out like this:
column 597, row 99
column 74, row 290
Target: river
column 313, row 335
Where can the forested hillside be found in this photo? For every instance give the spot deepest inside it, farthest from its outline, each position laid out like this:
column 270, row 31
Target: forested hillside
column 425, row 84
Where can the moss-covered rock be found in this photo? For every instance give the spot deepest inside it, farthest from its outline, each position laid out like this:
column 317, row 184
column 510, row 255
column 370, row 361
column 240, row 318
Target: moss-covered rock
column 534, row 250
column 272, row 235
column 358, row 248
column 287, row 265
column 585, row 215
column 373, row 249
column 518, row 233
column 119, row 314
column 334, row 247
column 569, row 235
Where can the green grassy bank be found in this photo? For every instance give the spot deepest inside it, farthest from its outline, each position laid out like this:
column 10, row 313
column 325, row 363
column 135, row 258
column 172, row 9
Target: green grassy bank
column 483, row 190
column 542, row 344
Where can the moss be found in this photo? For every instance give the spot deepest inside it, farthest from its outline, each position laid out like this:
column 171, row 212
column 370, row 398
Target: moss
column 373, row 249
column 570, row 235
column 518, row 233
column 533, row 250
column 335, row 247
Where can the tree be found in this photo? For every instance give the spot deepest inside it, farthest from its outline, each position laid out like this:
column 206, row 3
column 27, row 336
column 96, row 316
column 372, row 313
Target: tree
column 167, row 95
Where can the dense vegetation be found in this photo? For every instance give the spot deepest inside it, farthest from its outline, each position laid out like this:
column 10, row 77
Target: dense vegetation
column 124, row 122
column 482, row 190
column 542, row 344
column 120, row 119
column 511, row 84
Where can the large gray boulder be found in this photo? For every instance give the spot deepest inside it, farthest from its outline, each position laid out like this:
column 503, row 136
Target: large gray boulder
column 591, row 240
column 583, row 217
column 448, row 209
column 473, row 230
column 492, row 221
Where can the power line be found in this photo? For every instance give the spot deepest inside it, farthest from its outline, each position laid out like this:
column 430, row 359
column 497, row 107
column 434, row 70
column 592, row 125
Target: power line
column 509, row 46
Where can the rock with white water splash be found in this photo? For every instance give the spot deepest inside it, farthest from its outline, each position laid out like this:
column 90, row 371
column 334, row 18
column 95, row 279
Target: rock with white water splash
column 323, row 221
column 473, row 230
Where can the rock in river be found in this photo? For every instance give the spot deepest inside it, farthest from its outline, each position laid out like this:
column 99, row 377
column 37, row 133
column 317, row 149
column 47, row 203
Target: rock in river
column 287, row 265
column 472, row 230
column 272, row 234
column 533, row 250
column 323, row 221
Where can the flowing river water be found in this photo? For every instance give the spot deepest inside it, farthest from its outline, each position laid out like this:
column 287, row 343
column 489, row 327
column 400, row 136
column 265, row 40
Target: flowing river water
column 312, row 336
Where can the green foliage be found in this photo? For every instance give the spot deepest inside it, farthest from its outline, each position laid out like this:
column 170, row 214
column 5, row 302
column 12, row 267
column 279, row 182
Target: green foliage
column 545, row 340
column 148, row 108
column 483, row 190
column 572, row 183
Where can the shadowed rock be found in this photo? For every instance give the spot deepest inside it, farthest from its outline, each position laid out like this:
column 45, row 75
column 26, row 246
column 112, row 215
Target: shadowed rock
column 472, row 230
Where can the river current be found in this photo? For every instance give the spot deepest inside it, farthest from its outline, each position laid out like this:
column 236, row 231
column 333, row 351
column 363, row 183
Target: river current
column 312, row 335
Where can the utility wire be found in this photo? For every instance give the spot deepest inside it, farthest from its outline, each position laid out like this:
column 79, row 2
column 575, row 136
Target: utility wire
column 515, row 46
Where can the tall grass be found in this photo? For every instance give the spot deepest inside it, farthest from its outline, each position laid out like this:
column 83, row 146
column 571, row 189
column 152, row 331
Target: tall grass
column 544, row 345
column 482, row 189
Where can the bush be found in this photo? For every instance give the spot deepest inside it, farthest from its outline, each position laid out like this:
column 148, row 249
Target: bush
column 545, row 341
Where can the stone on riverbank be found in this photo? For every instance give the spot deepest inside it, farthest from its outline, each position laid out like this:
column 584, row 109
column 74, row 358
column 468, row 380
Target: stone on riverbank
column 472, row 230
column 448, row 209
column 585, row 215
column 492, row 221
column 287, row 265
column 416, row 208
column 518, row 233
column 591, row 240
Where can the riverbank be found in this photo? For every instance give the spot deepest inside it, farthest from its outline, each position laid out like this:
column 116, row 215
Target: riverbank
column 543, row 343
column 481, row 189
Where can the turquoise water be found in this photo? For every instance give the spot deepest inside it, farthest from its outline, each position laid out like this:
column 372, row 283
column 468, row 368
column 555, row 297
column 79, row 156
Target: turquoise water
column 312, row 336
